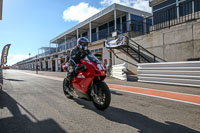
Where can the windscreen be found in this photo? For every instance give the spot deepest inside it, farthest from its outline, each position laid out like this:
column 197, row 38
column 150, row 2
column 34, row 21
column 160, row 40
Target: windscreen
column 93, row 58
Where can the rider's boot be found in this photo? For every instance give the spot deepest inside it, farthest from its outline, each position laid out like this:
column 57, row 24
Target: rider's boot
column 69, row 79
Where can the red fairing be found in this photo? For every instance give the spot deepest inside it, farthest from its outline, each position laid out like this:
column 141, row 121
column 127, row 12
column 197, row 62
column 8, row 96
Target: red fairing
column 85, row 78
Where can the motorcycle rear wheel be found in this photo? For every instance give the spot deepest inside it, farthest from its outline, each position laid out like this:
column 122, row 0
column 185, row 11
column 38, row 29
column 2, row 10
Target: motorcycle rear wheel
column 65, row 89
column 103, row 98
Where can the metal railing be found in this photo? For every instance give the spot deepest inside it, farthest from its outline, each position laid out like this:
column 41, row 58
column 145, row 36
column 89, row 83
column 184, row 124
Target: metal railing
column 169, row 18
column 141, row 51
column 69, row 45
column 135, row 27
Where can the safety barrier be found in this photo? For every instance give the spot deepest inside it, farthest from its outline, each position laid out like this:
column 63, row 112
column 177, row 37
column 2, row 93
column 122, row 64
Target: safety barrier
column 118, row 71
column 176, row 73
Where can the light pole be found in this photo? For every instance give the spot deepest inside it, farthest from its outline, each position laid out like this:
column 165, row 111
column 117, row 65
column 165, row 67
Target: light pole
column 36, row 65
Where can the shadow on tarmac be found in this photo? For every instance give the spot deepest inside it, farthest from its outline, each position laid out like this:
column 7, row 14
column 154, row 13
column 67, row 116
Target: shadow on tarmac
column 137, row 120
column 20, row 123
column 14, row 80
column 115, row 93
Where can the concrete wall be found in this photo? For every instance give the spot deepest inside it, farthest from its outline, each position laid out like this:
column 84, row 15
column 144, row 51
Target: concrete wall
column 178, row 43
column 106, row 55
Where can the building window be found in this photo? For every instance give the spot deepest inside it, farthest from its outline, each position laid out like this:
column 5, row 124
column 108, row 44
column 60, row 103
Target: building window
column 136, row 23
column 111, row 27
column 148, row 24
column 74, row 43
column 165, row 15
column 136, row 18
column 61, row 47
column 94, row 35
column 118, row 24
column 103, row 31
column 124, row 24
column 185, row 8
column 164, row 5
column 67, row 45
column 85, row 34
column 197, row 5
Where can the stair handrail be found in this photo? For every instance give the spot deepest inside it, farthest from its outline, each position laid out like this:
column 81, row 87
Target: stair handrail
column 138, row 45
column 123, row 59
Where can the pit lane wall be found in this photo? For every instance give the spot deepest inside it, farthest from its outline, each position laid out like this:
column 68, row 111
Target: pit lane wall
column 176, row 73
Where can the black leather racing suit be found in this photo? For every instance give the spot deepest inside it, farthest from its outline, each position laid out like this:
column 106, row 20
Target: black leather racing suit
column 76, row 56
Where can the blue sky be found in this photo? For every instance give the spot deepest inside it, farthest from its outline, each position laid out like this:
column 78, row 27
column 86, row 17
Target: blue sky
column 31, row 24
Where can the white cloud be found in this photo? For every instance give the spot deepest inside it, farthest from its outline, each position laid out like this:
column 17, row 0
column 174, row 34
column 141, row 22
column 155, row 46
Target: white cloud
column 122, row 2
column 14, row 58
column 142, row 5
column 79, row 12
column 83, row 10
column 137, row 4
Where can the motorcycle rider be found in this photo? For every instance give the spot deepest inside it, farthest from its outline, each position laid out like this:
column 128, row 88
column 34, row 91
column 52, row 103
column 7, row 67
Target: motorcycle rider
column 76, row 55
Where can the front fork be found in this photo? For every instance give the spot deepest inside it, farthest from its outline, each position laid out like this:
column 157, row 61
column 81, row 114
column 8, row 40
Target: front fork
column 94, row 90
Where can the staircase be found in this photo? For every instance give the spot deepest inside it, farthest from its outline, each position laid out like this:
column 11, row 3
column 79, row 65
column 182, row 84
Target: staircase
column 136, row 52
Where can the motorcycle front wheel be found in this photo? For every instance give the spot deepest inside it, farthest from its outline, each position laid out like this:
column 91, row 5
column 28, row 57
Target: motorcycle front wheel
column 103, row 97
column 65, row 89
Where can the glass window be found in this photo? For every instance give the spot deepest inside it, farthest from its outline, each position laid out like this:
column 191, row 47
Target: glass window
column 136, row 23
column 111, row 27
column 164, row 4
column 94, row 35
column 75, row 43
column 85, row 34
column 185, row 8
column 118, row 24
column 102, row 27
column 136, row 18
column 148, row 24
column 165, row 15
column 124, row 18
column 124, row 24
column 197, row 5
column 67, row 46
column 94, row 30
column 111, row 23
column 103, row 31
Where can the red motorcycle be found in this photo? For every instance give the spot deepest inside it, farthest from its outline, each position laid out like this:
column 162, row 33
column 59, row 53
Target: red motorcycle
column 89, row 83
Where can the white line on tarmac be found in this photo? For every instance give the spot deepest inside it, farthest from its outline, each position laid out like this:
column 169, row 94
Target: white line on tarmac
column 157, row 97
column 158, row 90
